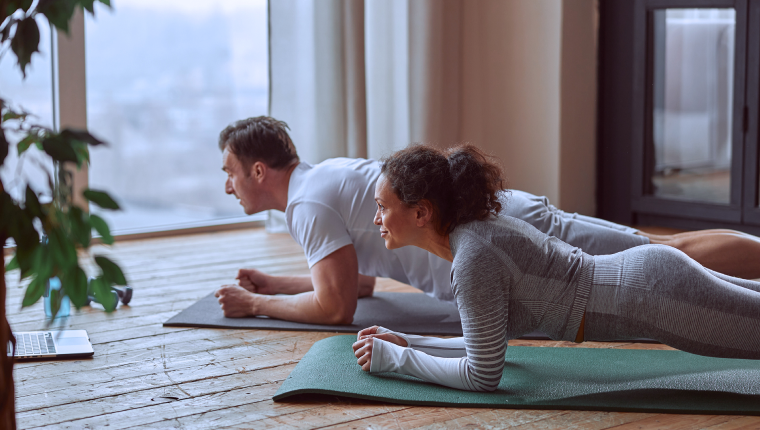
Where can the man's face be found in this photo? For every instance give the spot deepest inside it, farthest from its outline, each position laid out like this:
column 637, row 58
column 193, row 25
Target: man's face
column 241, row 183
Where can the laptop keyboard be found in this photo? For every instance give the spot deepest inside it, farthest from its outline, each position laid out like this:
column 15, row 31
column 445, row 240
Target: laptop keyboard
column 33, row 344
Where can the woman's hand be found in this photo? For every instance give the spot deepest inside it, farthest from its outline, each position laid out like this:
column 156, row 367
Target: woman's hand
column 363, row 346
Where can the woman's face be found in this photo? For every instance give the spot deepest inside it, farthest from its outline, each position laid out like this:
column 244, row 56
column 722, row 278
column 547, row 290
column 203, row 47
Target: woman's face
column 397, row 221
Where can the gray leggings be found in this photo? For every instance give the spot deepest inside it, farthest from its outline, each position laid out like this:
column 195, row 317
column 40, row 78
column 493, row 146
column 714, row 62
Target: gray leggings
column 658, row 292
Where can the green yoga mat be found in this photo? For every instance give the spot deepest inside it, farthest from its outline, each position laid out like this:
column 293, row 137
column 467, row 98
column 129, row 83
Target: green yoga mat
column 550, row 378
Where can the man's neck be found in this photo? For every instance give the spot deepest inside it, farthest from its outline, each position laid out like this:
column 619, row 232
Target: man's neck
column 282, row 181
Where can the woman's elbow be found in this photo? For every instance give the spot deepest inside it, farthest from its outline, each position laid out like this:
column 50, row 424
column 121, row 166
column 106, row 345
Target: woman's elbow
column 486, row 388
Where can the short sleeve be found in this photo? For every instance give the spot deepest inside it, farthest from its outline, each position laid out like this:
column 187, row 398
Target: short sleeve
column 318, row 228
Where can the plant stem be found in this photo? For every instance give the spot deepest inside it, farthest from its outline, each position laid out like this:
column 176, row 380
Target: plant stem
column 7, row 393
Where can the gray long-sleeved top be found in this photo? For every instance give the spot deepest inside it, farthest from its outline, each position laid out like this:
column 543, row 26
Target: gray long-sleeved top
column 509, row 279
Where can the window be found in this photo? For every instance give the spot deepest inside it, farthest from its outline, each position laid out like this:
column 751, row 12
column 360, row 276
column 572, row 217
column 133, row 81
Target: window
column 163, row 79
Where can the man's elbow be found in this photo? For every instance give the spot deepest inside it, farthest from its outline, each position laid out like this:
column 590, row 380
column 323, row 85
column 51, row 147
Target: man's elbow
column 366, row 286
column 341, row 317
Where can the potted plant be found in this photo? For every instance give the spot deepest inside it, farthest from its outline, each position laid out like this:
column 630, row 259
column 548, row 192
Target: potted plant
column 67, row 226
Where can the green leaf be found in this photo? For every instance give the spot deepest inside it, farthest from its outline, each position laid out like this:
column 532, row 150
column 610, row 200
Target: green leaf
column 55, row 302
column 83, row 154
column 26, row 142
column 82, row 136
column 100, row 198
column 27, row 259
column 80, row 226
column 62, row 250
column 13, row 264
column 88, row 5
column 101, row 290
column 74, row 285
column 21, row 228
column 6, row 212
column 32, row 204
column 35, row 290
column 11, row 115
column 100, row 225
column 58, row 12
column 25, row 42
column 60, row 149
column 5, row 34
column 4, row 147
column 111, row 271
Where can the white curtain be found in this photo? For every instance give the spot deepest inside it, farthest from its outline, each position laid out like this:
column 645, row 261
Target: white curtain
column 359, row 78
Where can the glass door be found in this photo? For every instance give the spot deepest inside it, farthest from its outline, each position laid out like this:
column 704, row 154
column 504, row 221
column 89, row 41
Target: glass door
column 690, row 155
column 692, row 115
column 751, row 206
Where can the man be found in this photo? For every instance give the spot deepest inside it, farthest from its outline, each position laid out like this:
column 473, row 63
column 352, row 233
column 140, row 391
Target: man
column 330, row 208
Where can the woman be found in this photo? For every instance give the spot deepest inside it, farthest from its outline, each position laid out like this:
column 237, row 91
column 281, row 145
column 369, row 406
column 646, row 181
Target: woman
column 510, row 279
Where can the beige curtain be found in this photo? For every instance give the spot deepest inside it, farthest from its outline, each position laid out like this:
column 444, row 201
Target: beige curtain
column 361, row 79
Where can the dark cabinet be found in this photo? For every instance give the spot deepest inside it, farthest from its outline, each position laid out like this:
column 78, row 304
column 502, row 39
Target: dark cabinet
column 679, row 85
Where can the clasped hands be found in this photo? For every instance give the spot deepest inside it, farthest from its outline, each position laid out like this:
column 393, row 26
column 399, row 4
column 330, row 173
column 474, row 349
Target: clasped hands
column 365, row 340
column 236, row 300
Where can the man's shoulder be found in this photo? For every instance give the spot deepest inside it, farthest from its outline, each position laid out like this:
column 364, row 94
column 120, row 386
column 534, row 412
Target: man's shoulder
column 347, row 166
column 328, row 180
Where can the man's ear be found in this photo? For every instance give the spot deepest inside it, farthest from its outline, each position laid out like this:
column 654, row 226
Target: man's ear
column 259, row 171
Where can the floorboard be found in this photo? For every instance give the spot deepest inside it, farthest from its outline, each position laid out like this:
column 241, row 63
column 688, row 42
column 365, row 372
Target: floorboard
column 144, row 375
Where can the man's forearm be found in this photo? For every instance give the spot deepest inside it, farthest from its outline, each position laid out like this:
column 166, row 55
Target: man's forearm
column 304, row 308
column 302, row 283
column 291, row 284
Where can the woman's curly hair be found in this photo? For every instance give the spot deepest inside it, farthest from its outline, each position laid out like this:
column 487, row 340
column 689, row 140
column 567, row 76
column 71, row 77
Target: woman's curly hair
column 461, row 182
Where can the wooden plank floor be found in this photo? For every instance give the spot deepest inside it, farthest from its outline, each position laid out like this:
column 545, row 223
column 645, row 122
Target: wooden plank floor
column 144, row 375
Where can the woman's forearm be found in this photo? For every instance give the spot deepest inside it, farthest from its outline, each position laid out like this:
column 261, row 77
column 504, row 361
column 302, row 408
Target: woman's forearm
column 435, row 346
column 450, row 372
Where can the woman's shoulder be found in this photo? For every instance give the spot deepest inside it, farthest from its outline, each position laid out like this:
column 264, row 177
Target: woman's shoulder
column 480, row 234
column 504, row 233
column 502, row 224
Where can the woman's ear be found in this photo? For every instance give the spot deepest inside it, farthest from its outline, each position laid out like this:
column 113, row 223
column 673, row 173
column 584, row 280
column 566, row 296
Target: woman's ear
column 424, row 213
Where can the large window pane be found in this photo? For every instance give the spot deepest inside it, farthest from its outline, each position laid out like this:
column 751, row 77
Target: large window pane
column 693, row 98
column 163, row 79
column 34, row 95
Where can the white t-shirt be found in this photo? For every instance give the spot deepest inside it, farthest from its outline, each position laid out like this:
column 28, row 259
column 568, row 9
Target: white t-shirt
column 332, row 204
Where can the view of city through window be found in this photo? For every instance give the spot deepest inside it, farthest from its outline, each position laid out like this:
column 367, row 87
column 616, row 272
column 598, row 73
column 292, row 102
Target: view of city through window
column 163, row 79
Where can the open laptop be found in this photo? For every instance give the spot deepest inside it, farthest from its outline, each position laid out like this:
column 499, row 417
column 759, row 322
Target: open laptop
column 51, row 344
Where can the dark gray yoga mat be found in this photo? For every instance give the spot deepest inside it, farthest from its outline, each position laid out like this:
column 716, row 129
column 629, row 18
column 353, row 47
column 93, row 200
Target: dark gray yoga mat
column 550, row 378
column 404, row 312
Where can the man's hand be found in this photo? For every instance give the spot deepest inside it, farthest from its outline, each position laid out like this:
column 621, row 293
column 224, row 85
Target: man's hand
column 363, row 346
column 327, row 296
column 236, row 302
column 255, row 281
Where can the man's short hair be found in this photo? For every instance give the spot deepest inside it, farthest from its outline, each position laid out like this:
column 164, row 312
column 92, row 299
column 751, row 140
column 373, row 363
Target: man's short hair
column 262, row 138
